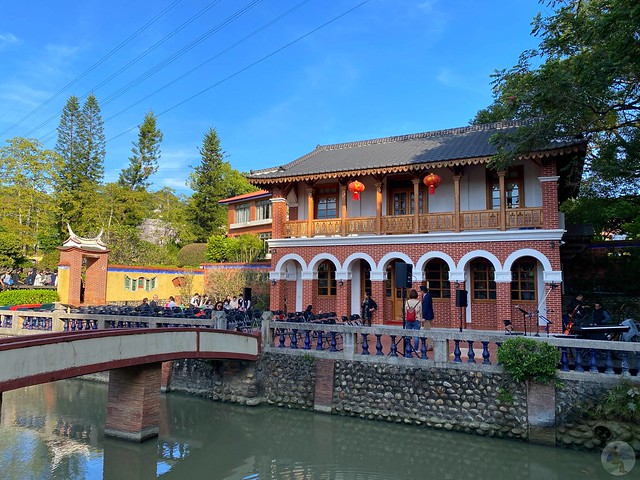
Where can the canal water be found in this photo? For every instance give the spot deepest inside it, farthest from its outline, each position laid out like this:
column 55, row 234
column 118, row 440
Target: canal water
column 56, row 431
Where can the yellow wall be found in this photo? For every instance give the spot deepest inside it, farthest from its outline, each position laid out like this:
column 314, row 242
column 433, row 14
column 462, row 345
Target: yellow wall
column 63, row 283
column 156, row 281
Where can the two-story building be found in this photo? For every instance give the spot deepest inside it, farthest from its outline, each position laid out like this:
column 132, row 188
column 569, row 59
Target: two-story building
column 249, row 213
column 429, row 201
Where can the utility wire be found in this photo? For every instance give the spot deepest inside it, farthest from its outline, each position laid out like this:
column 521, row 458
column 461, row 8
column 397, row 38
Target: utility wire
column 92, row 67
column 135, row 60
column 247, row 67
column 210, row 59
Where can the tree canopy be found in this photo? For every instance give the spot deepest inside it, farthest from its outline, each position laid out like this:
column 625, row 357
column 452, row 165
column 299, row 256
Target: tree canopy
column 211, row 181
column 582, row 81
column 145, row 154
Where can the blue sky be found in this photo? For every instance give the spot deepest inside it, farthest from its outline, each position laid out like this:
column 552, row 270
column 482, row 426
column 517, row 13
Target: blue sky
column 388, row 67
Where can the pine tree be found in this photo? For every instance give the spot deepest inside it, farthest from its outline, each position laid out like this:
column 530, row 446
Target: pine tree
column 211, row 181
column 93, row 142
column 146, row 152
column 68, row 145
column 81, row 144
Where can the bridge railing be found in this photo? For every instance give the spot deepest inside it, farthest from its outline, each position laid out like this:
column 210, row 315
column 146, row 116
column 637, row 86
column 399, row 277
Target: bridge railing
column 442, row 347
column 25, row 322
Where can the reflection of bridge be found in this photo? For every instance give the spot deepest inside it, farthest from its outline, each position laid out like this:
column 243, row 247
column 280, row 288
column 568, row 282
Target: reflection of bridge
column 134, row 358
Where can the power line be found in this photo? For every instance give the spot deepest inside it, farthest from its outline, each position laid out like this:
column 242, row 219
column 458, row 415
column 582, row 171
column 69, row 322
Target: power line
column 171, row 58
column 93, row 67
column 210, row 59
column 134, row 61
column 247, row 67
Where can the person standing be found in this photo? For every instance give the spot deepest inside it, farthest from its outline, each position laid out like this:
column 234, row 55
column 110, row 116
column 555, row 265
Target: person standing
column 427, row 313
column 368, row 307
column 413, row 314
column 154, row 303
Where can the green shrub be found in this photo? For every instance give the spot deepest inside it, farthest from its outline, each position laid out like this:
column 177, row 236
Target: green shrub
column 526, row 359
column 192, row 255
column 19, row 297
column 622, row 402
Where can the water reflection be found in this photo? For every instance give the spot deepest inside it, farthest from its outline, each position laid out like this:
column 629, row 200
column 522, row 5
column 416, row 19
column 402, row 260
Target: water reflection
column 57, row 431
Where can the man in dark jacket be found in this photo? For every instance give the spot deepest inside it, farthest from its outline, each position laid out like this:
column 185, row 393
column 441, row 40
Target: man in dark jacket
column 427, row 312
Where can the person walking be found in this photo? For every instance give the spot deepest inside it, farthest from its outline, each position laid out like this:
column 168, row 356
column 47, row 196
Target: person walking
column 412, row 315
column 427, row 313
column 369, row 306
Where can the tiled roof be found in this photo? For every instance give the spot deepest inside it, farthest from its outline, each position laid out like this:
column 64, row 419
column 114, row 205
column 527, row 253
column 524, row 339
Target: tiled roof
column 246, row 196
column 406, row 152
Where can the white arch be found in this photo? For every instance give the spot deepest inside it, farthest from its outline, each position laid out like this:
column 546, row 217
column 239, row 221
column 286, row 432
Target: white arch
column 528, row 252
column 393, row 256
column 315, row 261
column 462, row 263
column 423, row 260
column 359, row 256
column 290, row 256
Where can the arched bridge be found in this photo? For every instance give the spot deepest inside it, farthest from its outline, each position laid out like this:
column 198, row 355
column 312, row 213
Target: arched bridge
column 134, row 357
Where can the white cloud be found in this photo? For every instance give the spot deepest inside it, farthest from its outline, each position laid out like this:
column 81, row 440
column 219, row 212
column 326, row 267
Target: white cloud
column 7, row 39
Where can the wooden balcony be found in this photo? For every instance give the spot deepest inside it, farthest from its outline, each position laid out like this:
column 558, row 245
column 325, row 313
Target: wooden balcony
column 427, row 223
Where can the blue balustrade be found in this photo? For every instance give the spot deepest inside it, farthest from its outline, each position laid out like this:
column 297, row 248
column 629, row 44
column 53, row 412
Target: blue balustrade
column 471, row 355
column 394, row 346
column 593, row 361
column 486, row 356
column 379, row 344
column 564, row 359
column 457, row 352
column 365, row 344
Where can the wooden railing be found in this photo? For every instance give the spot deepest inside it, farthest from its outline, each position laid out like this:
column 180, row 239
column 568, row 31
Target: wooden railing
column 427, row 223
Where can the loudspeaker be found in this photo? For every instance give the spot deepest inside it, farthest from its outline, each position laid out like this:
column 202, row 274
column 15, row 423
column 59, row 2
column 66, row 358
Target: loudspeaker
column 246, row 294
column 404, row 275
column 461, row 298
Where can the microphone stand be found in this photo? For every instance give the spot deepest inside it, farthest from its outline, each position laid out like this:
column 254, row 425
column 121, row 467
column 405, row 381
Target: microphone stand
column 552, row 286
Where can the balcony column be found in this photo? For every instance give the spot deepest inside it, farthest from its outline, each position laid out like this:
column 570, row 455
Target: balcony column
column 456, row 202
column 502, row 224
column 278, row 213
column 454, row 321
column 343, row 296
column 343, row 210
column 416, row 204
column 310, row 212
column 549, row 188
column 504, row 309
column 378, row 208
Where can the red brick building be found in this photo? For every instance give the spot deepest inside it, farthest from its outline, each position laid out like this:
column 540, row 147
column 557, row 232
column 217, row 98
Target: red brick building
column 249, row 213
column 495, row 234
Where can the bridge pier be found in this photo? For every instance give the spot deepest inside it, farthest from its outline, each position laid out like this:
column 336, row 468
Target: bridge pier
column 133, row 404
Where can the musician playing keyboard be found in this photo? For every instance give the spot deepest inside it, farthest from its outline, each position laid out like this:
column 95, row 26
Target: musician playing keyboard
column 600, row 315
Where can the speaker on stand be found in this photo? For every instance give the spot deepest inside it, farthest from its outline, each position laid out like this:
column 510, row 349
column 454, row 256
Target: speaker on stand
column 461, row 302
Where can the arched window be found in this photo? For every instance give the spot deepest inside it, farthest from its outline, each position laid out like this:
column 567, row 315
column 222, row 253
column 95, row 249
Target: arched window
column 523, row 280
column 483, row 285
column 437, row 274
column 326, row 279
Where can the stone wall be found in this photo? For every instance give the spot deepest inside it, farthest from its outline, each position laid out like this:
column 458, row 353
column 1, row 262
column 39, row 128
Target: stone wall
column 440, row 398
column 576, row 430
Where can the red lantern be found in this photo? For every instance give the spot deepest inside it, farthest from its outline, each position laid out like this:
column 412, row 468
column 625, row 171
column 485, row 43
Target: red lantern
column 432, row 181
column 356, row 187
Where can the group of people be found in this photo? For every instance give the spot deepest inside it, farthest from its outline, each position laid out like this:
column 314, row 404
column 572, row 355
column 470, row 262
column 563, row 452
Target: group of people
column 418, row 312
column 35, row 278
column 203, row 302
column 578, row 312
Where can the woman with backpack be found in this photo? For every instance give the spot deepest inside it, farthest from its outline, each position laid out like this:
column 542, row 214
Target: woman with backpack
column 413, row 314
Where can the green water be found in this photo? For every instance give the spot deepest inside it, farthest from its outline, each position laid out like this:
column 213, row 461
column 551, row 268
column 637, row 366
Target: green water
column 56, row 431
